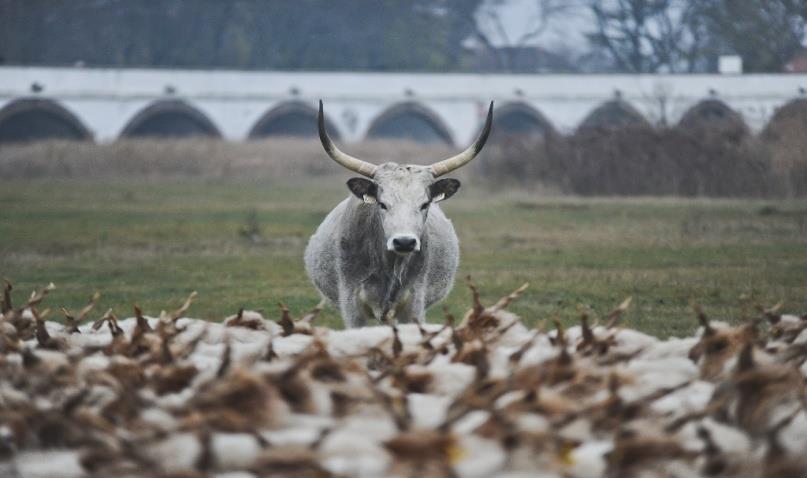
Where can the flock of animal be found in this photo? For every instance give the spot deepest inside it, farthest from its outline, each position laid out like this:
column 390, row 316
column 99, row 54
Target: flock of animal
column 481, row 396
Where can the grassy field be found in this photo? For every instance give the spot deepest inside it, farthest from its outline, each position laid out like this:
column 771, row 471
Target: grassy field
column 154, row 242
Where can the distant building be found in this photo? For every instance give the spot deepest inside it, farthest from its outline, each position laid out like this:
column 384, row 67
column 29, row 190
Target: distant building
column 730, row 64
column 797, row 64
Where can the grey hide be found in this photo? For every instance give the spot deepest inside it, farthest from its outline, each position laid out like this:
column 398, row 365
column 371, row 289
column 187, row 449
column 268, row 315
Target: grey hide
column 350, row 259
column 388, row 252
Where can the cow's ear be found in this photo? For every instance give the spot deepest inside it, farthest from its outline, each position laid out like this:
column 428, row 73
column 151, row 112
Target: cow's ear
column 443, row 189
column 363, row 189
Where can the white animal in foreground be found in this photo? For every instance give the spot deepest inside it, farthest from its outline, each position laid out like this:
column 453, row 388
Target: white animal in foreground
column 388, row 250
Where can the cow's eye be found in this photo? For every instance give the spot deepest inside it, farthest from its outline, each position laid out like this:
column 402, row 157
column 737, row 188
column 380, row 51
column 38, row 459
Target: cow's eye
column 425, row 206
column 382, row 205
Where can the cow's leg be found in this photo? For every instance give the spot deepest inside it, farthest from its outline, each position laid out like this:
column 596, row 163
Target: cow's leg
column 419, row 305
column 412, row 307
column 353, row 308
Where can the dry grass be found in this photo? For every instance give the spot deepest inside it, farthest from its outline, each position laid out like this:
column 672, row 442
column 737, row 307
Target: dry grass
column 195, row 158
column 645, row 161
column 143, row 219
column 630, row 161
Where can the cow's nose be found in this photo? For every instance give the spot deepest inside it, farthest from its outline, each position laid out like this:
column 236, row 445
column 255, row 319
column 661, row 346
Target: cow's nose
column 404, row 243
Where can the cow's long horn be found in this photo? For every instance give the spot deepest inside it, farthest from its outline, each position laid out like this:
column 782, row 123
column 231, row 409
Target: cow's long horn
column 447, row 165
column 354, row 164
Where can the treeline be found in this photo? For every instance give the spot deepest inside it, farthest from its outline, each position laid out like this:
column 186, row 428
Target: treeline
column 414, row 35
column 249, row 34
column 649, row 36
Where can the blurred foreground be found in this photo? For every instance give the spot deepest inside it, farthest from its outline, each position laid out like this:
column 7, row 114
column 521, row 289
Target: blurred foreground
column 476, row 397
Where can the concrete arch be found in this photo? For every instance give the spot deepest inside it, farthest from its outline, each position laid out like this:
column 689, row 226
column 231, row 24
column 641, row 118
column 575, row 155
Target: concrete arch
column 293, row 118
column 32, row 119
column 170, row 119
column 410, row 121
column 613, row 114
column 715, row 115
column 521, row 119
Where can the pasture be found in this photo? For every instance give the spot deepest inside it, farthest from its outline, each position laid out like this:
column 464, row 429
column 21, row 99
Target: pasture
column 240, row 244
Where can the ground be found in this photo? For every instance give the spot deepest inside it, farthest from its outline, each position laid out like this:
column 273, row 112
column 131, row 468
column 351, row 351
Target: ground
column 154, row 242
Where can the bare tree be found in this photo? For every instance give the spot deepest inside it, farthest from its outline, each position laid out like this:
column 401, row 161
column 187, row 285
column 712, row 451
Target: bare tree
column 766, row 33
column 492, row 34
column 302, row 34
column 648, row 36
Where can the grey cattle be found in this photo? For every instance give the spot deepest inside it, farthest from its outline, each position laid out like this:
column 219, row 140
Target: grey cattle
column 388, row 251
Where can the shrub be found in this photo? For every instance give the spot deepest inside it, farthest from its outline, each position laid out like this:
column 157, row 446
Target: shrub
column 638, row 160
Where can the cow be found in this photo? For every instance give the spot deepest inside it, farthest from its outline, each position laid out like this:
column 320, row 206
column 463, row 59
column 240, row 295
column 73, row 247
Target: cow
column 387, row 252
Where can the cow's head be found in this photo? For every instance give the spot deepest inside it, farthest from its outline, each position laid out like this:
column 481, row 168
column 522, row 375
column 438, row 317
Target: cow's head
column 403, row 194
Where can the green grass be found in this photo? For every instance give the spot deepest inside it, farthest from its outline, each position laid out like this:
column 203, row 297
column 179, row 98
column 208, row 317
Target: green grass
column 154, row 242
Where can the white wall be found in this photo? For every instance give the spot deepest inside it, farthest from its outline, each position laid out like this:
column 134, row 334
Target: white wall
column 106, row 99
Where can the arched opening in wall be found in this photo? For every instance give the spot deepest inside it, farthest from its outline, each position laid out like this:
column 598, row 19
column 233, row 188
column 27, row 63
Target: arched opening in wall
column 293, row 119
column 521, row 120
column 33, row 119
column 613, row 152
column 520, row 145
column 410, row 121
column 614, row 114
column 789, row 120
column 714, row 117
column 170, row 119
column 785, row 140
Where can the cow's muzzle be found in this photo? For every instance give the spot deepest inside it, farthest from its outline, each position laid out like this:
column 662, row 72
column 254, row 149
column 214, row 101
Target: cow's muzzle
column 404, row 244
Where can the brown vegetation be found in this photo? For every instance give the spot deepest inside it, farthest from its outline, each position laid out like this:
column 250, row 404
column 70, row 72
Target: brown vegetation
column 787, row 140
column 724, row 161
column 637, row 159
column 201, row 158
